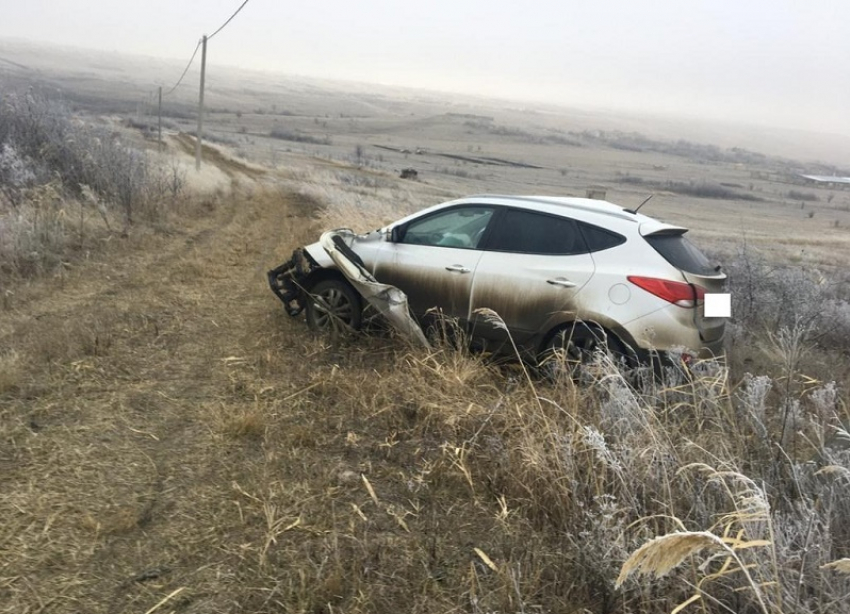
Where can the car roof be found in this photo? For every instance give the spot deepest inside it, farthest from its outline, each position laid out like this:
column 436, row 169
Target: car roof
column 571, row 202
column 618, row 218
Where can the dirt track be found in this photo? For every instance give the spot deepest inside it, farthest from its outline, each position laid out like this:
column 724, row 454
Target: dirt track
column 232, row 167
column 171, row 441
column 132, row 370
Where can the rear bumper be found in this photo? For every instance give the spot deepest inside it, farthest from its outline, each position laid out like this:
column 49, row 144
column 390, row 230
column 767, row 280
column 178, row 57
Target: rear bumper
column 672, row 330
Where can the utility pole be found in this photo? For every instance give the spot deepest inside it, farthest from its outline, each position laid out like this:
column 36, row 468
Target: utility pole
column 201, row 104
column 159, row 122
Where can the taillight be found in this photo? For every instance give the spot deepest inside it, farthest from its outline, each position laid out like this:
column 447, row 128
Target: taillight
column 676, row 292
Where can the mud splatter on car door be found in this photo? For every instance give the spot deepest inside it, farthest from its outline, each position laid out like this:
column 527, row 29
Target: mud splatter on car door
column 432, row 277
column 534, row 265
column 433, row 260
column 527, row 300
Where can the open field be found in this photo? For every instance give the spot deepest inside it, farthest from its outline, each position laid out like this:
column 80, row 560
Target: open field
column 170, row 441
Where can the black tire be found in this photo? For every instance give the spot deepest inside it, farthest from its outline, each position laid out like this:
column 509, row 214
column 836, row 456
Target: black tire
column 333, row 305
column 577, row 346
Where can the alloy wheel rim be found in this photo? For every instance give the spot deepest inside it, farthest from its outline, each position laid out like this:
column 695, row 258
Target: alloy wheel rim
column 332, row 306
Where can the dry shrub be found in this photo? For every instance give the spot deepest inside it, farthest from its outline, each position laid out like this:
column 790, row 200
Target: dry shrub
column 62, row 179
column 34, row 235
column 767, row 296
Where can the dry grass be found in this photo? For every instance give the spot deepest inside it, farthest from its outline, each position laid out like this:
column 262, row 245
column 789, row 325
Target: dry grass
column 661, row 554
column 171, row 441
column 11, row 372
column 841, row 566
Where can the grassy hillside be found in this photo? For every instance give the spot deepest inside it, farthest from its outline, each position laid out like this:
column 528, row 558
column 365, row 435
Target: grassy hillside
column 170, row 441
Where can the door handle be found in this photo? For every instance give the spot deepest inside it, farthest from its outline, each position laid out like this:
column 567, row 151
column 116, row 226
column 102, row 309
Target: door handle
column 458, row 268
column 561, row 281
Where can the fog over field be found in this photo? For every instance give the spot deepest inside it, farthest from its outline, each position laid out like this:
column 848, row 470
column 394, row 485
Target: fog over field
column 767, row 64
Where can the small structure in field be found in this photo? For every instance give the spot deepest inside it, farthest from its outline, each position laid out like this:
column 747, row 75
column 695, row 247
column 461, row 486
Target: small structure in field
column 409, row 173
column 597, row 192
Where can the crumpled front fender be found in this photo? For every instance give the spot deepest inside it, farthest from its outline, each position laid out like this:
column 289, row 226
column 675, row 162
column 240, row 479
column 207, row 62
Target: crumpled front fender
column 388, row 300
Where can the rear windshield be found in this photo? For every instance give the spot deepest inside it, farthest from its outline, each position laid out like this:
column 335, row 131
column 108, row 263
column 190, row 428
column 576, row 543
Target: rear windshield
column 681, row 253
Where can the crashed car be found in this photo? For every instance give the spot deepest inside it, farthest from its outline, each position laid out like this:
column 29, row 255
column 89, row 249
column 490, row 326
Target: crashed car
column 561, row 273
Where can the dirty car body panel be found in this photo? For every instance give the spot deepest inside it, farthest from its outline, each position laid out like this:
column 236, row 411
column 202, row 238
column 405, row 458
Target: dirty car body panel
column 541, row 264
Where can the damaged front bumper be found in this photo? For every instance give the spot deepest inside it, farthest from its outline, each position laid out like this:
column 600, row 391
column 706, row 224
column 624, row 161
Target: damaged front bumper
column 287, row 280
column 290, row 283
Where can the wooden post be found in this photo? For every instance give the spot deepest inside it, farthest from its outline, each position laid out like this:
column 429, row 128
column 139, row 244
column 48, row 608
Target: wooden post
column 201, row 104
column 159, row 121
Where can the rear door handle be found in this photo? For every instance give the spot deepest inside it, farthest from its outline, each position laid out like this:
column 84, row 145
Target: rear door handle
column 458, row 268
column 561, row 281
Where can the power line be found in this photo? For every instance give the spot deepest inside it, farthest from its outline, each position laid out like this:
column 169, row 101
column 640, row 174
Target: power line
column 202, row 44
column 195, row 52
column 185, row 70
column 228, row 21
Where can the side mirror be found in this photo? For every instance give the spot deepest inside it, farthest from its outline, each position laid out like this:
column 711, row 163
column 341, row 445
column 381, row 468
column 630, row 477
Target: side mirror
column 395, row 234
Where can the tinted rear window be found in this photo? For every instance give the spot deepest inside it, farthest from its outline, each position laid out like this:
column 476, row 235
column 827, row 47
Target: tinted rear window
column 681, row 253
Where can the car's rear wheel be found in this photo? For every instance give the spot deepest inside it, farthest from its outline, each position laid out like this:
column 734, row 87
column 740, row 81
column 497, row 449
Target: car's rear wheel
column 333, row 305
column 580, row 350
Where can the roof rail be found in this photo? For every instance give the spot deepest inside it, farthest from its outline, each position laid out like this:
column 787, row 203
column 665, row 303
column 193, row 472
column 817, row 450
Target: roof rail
column 602, row 207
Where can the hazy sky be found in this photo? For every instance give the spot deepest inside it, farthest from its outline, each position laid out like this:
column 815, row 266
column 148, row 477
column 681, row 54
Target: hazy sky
column 784, row 62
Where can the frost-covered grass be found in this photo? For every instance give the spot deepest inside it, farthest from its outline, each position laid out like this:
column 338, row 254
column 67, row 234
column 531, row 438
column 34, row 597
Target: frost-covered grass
column 60, row 176
column 768, row 296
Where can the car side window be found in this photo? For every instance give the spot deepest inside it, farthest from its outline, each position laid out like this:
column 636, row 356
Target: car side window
column 460, row 227
column 598, row 239
column 527, row 232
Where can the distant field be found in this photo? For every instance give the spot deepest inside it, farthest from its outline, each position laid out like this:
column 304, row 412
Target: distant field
column 724, row 196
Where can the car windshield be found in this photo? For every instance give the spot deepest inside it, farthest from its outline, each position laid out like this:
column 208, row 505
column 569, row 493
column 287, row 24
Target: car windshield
column 461, row 227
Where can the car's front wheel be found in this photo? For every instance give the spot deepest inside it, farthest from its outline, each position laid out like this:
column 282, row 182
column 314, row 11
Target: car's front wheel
column 333, row 305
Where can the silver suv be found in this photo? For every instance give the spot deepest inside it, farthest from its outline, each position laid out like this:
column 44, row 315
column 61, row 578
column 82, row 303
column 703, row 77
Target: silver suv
column 560, row 272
